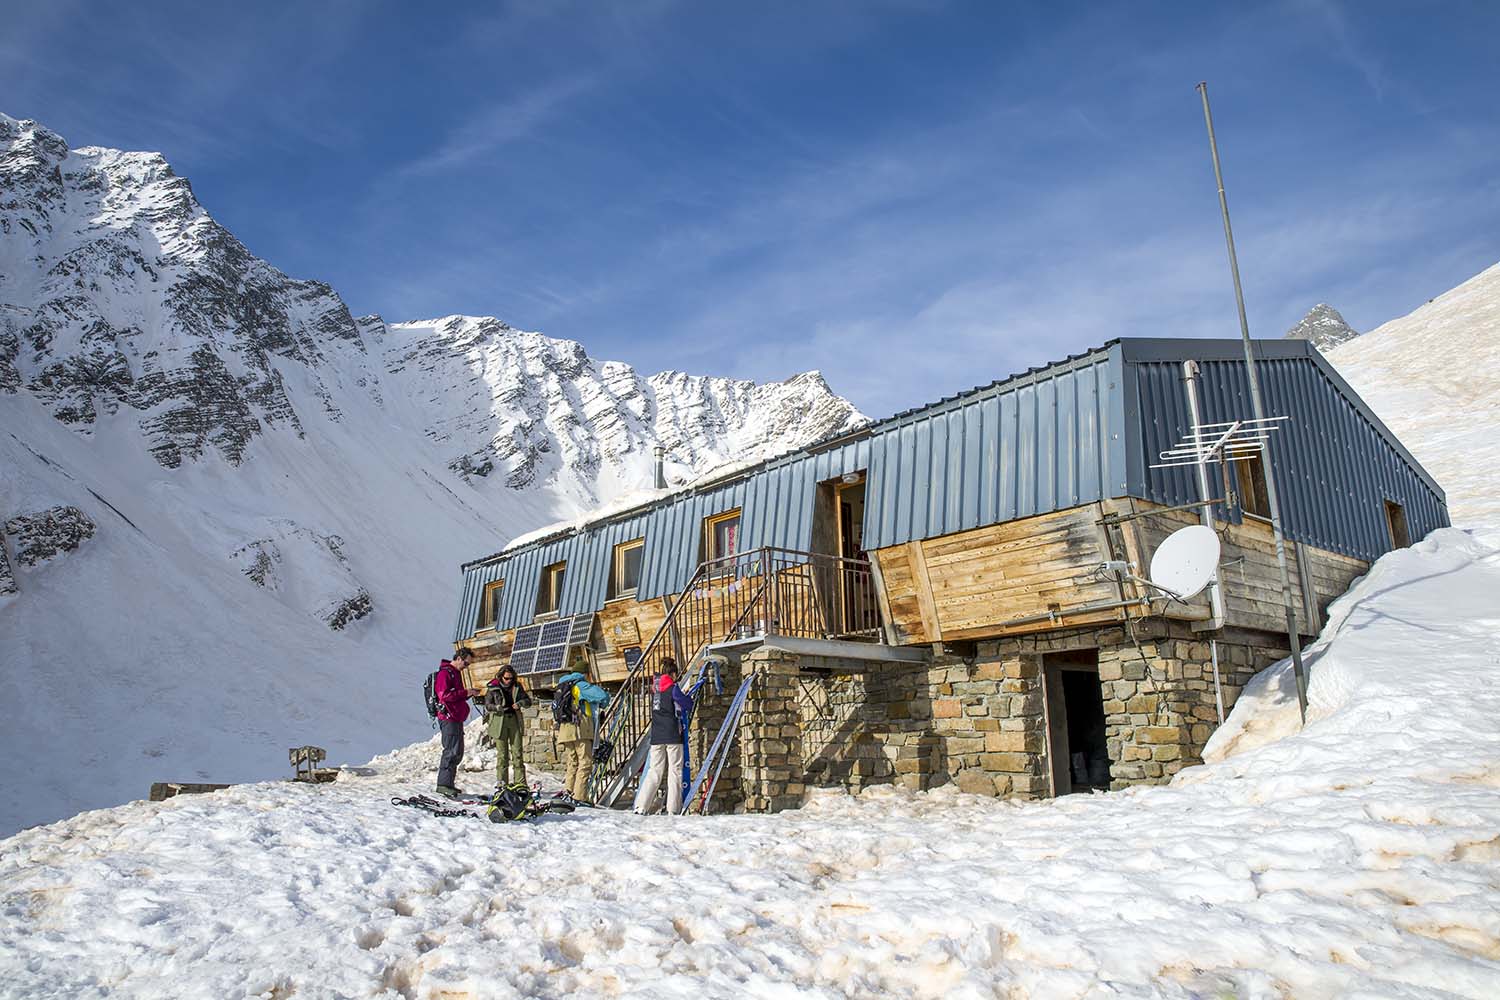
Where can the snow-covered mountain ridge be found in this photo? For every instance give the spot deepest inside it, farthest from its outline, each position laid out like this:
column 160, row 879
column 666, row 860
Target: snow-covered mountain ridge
column 255, row 504
column 118, row 290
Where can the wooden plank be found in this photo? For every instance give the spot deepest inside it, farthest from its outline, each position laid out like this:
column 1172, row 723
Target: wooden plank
column 930, row 625
column 887, row 620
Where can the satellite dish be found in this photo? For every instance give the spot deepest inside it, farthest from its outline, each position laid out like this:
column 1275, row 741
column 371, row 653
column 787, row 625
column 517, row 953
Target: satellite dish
column 1185, row 563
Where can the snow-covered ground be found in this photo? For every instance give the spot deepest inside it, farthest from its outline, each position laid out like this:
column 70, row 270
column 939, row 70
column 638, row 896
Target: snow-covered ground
column 1359, row 857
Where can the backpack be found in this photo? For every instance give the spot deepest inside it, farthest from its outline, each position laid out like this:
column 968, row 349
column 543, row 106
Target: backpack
column 562, row 705
column 511, row 802
column 429, row 692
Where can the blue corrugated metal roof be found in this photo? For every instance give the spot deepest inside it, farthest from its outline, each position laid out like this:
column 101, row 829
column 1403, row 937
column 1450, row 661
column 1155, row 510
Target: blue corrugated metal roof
column 1335, row 464
column 1047, row 439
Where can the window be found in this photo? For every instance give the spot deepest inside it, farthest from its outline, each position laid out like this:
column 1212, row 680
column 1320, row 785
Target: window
column 489, row 604
column 625, row 578
column 1395, row 520
column 549, row 591
column 1252, row 478
column 721, row 535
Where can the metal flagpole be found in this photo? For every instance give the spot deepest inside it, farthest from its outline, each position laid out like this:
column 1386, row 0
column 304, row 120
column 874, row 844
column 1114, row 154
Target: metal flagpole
column 1260, row 415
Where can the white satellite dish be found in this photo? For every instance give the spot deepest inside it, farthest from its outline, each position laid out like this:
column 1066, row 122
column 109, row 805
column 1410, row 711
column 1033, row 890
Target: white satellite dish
column 1185, row 563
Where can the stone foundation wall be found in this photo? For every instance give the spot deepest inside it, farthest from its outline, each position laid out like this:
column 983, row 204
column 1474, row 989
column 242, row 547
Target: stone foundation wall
column 983, row 726
column 1159, row 702
column 539, row 736
column 980, row 725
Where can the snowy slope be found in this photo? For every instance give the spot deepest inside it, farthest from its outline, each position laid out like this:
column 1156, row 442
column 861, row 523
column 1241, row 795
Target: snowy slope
column 1358, row 858
column 281, row 494
column 1434, row 377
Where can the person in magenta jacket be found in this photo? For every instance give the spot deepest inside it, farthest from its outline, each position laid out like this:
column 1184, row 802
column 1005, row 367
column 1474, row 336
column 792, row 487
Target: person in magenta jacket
column 453, row 709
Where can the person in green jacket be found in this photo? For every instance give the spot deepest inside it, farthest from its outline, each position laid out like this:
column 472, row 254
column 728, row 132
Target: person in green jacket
column 504, row 698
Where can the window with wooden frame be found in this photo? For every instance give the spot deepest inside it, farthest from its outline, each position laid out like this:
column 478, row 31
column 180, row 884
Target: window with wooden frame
column 549, row 590
column 1395, row 520
column 721, row 535
column 489, row 604
column 1251, row 473
column 625, row 575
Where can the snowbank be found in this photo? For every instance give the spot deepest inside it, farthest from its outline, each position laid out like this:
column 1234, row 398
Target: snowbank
column 1360, row 857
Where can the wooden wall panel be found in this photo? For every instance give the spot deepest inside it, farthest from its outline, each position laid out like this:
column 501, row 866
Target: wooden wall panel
column 969, row 585
column 609, row 656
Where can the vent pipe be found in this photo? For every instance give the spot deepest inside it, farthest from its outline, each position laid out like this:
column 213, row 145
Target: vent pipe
column 1215, row 592
column 661, row 467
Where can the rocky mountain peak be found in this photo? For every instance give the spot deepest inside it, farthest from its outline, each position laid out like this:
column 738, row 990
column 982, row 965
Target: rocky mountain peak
column 1324, row 327
column 122, row 299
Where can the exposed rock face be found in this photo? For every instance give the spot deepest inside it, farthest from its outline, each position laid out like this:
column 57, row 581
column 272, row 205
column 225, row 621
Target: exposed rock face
column 1324, row 327
column 117, row 290
column 305, row 570
column 43, row 534
column 7, row 578
column 349, row 610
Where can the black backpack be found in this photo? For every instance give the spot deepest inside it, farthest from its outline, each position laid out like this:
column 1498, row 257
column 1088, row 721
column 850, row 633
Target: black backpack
column 562, row 705
column 429, row 692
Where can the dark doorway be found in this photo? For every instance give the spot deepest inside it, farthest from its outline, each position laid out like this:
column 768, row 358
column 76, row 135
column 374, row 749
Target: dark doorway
column 1395, row 520
column 1075, row 722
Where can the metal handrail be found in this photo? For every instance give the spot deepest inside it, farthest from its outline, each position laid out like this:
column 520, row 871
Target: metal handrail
column 786, row 591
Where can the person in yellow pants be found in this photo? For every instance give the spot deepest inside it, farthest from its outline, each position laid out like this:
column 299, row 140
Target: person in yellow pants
column 575, row 708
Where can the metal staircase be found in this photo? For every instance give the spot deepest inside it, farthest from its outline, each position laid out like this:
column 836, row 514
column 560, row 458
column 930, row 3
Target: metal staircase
column 737, row 600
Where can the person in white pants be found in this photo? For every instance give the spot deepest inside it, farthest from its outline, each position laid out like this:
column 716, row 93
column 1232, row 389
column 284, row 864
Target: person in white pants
column 664, row 763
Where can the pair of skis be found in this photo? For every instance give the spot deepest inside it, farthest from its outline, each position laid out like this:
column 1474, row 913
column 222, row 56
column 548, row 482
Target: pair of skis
column 692, row 693
column 718, row 752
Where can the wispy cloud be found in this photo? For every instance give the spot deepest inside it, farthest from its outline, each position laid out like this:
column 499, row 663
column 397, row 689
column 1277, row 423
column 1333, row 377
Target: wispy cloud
column 502, row 122
column 1347, row 45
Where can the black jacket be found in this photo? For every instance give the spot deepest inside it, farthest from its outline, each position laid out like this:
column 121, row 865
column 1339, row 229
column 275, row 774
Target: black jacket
column 666, row 726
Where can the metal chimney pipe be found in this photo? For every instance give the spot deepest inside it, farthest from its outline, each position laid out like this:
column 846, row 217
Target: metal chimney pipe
column 1215, row 591
column 661, row 467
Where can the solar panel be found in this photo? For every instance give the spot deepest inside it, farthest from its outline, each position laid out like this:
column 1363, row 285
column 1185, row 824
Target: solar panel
column 555, row 632
column 526, row 637
column 582, row 630
column 548, row 643
column 550, row 658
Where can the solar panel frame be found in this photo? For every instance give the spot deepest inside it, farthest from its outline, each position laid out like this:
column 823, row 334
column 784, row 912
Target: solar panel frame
column 548, row 653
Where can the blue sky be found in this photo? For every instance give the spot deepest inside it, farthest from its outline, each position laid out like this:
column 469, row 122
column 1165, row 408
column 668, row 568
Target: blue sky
column 912, row 197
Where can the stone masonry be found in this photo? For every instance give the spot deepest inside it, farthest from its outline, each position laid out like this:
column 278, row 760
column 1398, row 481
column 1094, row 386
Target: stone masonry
column 770, row 734
column 981, row 724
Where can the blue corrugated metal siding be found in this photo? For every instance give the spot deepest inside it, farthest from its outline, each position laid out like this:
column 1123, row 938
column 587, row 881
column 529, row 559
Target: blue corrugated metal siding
column 1050, row 439
column 1036, row 445
column 1333, row 466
